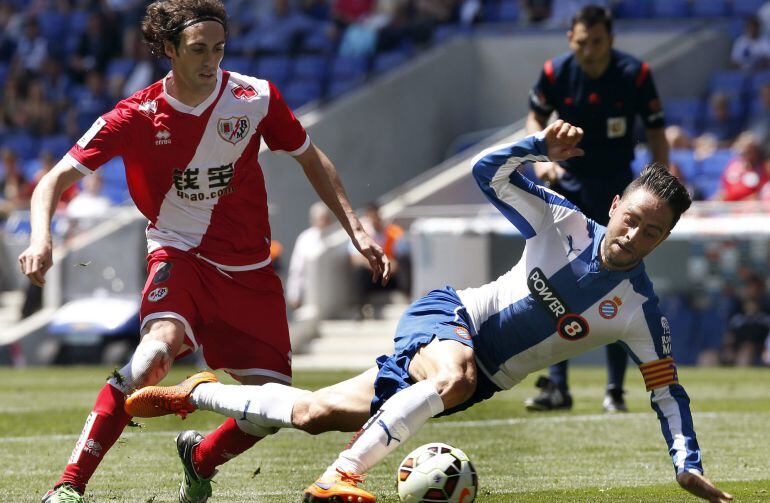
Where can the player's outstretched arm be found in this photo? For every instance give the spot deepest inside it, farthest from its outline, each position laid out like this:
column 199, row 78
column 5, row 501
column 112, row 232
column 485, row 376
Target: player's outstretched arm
column 38, row 257
column 562, row 139
column 702, row 487
column 324, row 178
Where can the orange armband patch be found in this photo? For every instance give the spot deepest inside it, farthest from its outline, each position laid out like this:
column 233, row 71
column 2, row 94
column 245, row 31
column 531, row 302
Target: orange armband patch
column 659, row 373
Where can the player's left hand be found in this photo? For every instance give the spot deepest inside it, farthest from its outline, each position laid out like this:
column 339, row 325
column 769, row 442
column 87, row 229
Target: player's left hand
column 702, row 487
column 562, row 139
column 372, row 252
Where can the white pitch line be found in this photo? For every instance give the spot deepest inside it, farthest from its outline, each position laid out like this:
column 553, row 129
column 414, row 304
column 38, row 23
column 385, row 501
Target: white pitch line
column 440, row 424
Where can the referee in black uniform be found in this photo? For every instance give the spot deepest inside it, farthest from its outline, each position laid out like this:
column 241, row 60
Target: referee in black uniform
column 602, row 90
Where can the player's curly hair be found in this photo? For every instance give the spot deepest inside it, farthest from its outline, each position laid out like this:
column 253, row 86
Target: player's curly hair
column 658, row 181
column 166, row 19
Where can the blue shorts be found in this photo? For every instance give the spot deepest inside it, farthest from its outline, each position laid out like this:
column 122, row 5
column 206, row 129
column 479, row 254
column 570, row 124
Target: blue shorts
column 440, row 315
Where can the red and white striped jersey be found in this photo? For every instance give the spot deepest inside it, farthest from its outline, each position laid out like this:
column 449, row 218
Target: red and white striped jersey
column 193, row 171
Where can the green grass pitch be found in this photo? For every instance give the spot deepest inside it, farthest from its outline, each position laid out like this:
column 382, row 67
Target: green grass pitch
column 578, row 456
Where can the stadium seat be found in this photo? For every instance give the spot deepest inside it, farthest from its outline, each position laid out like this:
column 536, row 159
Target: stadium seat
column 685, row 159
column 710, row 8
column 53, row 25
column 507, row 11
column 349, row 67
column 684, row 112
column 670, row 8
column 641, row 158
column 729, row 82
column 275, row 68
column 757, row 80
column 633, row 9
column 389, row 60
column 119, row 66
column 114, row 177
column 242, row 65
column 715, row 164
column 25, row 146
column 339, row 87
column 312, row 68
column 57, row 145
column 746, row 7
column 317, row 42
column 300, row 93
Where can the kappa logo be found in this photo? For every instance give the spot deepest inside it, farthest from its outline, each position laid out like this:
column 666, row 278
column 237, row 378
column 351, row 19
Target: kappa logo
column 247, row 93
column 149, row 106
column 157, row 294
column 233, row 129
column 162, row 137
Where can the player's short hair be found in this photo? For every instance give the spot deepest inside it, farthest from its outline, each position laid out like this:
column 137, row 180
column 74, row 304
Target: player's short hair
column 656, row 179
column 166, row 19
column 591, row 15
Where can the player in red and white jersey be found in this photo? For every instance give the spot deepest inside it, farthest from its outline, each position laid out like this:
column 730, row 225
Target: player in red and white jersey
column 190, row 145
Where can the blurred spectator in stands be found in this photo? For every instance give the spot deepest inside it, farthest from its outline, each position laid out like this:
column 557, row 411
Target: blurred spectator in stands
column 89, row 206
column 31, row 48
column 56, row 83
column 40, row 111
column 277, row 30
column 316, row 9
column 45, row 163
column 13, row 192
column 306, row 248
column 91, row 101
column 751, row 51
column 536, row 11
column 747, row 330
column 428, row 15
column 745, row 174
column 395, row 245
column 7, row 39
column 347, row 12
column 678, row 138
column 759, row 124
column 96, row 45
column 14, row 112
column 721, row 123
column 562, row 11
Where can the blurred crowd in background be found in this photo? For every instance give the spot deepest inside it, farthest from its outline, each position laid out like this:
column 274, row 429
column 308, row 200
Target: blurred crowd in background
column 65, row 62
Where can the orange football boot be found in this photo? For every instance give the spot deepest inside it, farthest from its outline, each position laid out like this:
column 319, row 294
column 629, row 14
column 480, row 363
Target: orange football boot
column 342, row 487
column 154, row 401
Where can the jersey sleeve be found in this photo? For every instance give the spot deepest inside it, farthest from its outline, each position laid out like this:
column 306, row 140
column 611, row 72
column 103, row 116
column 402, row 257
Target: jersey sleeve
column 529, row 207
column 109, row 136
column 281, row 129
column 648, row 338
column 648, row 104
column 541, row 99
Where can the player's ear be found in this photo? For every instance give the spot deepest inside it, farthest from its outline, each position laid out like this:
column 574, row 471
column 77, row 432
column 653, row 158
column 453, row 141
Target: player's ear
column 614, row 205
column 169, row 49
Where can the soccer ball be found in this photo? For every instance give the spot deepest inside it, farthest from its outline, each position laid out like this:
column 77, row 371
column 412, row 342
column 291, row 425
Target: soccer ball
column 436, row 473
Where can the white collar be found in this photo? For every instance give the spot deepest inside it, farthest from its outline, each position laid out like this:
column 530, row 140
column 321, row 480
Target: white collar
column 198, row 109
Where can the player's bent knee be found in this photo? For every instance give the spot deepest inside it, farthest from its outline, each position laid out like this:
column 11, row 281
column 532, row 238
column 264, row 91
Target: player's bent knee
column 456, row 384
column 151, row 362
column 311, row 414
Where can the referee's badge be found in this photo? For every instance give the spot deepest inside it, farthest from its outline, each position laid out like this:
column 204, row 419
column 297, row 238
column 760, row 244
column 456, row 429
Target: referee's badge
column 616, row 127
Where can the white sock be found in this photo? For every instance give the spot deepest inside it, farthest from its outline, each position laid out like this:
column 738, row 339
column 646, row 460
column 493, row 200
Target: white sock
column 268, row 405
column 146, row 356
column 398, row 419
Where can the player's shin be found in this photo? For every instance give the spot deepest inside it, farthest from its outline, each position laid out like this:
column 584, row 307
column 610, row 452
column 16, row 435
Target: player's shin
column 266, row 406
column 397, row 420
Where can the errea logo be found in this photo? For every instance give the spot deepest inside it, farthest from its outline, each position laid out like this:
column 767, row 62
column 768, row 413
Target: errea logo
column 162, row 137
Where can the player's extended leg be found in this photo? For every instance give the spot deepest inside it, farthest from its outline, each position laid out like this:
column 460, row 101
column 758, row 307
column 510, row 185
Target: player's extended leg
column 617, row 360
column 148, row 365
column 445, row 376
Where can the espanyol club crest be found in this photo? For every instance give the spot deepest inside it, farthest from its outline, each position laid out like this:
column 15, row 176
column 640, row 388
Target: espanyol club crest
column 157, row 294
column 608, row 309
column 233, row 129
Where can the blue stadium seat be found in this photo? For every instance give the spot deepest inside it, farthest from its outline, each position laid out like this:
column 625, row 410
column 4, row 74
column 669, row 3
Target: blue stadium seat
column 300, row 93
column 710, row 8
column 242, row 65
column 685, row 159
column 3, row 73
column 25, row 146
column 53, row 25
column 670, row 8
column 310, row 68
column 275, row 68
column 746, row 7
column 317, row 42
column 389, row 60
column 339, row 87
column 57, row 145
column 716, row 163
column 641, row 159
column 758, row 80
column 633, row 9
column 507, row 11
column 114, row 178
column 345, row 67
column 29, row 167
column 729, row 82
column 119, row 66
column 684, row 112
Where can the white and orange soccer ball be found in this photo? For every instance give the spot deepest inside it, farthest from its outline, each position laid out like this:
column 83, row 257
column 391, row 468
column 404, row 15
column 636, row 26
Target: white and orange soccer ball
column 436, row 473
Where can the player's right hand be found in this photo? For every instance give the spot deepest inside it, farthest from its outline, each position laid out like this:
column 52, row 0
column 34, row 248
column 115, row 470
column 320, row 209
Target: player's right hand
column 561, row 139
column 702, row 487
column 36, row 260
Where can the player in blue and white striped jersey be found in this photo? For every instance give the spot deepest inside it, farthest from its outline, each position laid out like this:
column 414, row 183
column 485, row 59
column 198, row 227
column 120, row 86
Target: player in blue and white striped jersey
column 578, row 286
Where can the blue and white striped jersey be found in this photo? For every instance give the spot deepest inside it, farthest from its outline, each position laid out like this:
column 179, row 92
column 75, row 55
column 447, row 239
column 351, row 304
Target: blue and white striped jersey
column 558, row 302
